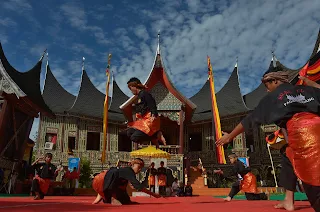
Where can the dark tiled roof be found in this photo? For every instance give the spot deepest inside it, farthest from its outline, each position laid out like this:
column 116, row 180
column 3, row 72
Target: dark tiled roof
column 56, row 97
column 229, row 99
column 118, row 98
column 90, row 101
column 28, row 82
column 253, row 98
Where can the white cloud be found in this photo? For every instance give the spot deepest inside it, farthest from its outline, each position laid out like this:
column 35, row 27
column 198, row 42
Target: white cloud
column 141, row 32
column 17, row 5
column 77, row 17
column 3, row 38
column 190, row 30
column 245, row 29
column 7, row 22
column 82, row 48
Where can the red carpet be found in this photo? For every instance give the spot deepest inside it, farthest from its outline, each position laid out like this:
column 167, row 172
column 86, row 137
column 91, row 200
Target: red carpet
column 202, row 203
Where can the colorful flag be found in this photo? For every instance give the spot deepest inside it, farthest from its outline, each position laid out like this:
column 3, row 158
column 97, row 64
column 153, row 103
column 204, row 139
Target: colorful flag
column 216, row 117
column 311, row 70
column 105, row 113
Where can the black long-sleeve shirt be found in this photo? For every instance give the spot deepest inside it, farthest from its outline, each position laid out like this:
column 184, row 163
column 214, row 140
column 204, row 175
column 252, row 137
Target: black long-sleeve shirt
column 119, row 177
column 280, row 105
column 146, row 103
column 240, row 169
column 152, row 172
column 162, row 171
column 45, row 170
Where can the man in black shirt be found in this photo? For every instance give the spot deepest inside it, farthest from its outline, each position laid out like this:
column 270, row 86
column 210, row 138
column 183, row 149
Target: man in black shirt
column 45, row 173
column 162, row 179
column 112, row 184
column 147, row 124
column 297, row 109
column 246, row 181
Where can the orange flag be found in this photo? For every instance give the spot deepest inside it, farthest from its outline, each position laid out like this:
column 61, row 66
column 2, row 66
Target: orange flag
column 216, row 117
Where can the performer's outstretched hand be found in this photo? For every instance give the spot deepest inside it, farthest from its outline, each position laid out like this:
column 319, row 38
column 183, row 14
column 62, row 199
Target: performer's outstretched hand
column 224, row 139
column 309, row 82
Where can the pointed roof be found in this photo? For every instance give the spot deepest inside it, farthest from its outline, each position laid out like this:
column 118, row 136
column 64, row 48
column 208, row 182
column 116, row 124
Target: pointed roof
column 90, row 101
column 229, row 99
column 158, row 74
column 118, row 97
column 25, row 84
column 55, row 96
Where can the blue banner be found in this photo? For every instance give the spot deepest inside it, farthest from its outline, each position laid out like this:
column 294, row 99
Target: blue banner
column 73, row 163
column 245, row 161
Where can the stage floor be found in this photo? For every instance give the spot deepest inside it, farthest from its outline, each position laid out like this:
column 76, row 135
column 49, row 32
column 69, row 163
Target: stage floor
column 200, row 203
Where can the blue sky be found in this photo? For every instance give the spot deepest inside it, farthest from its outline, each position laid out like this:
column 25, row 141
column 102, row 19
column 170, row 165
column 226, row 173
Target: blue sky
column 190, row 30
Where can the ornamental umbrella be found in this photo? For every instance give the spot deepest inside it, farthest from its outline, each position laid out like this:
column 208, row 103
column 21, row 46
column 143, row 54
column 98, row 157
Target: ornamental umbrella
column 150, row 152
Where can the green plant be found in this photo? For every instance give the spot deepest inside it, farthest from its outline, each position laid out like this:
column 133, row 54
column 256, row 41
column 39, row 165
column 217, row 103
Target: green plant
column 85, row 173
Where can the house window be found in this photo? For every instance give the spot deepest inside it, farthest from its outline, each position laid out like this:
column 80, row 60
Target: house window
column 71, row 144
column 124, row 143
column 93, row 141
column 195, row 142
column 50, row 140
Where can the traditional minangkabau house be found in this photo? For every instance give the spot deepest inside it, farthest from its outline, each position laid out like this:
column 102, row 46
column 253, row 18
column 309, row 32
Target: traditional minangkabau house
column 76, row 129
column 20, row 102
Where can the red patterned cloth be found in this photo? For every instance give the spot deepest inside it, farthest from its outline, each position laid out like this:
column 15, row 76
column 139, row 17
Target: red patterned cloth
column 304, row 146
column 43, row 183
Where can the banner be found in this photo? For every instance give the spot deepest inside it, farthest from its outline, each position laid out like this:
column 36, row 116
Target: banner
column 73, row 163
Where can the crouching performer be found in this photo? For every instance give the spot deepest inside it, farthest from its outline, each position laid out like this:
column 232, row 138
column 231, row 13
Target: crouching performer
column 111, row 185
column 247, row 181
column 46, row 172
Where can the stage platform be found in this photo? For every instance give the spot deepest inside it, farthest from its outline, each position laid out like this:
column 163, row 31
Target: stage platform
column 186, row 204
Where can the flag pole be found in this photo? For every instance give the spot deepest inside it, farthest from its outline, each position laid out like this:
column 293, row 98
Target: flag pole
column 105, row 113
column 274, row 171
column 215, row 115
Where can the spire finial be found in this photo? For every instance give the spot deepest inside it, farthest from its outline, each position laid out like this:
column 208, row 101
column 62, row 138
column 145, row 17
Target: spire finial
column 83, row 59
column 274, row 59
column 47, row 58
column 236, row 66
column 44, row 52
column 158, row 48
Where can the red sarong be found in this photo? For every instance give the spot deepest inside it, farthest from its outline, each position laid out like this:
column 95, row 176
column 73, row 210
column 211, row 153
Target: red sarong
column 304, row 147
column 162, row 180
column 144, row 124
column 44, row 184
column 249, row 183
column 152, row 180
column 98, row 182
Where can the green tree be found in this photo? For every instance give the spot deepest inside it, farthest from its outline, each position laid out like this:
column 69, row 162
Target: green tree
column 85, row 173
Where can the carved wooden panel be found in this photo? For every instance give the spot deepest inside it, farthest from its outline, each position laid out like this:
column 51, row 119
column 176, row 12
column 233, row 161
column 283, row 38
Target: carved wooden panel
column 164, row 99
column 172, row 115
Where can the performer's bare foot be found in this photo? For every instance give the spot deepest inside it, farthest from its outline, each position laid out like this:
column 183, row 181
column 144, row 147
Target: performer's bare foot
column 115, row 202
column 228, row 199
column 98, row 199
column 285, row 205
column 37, row 197
column 161, row 138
